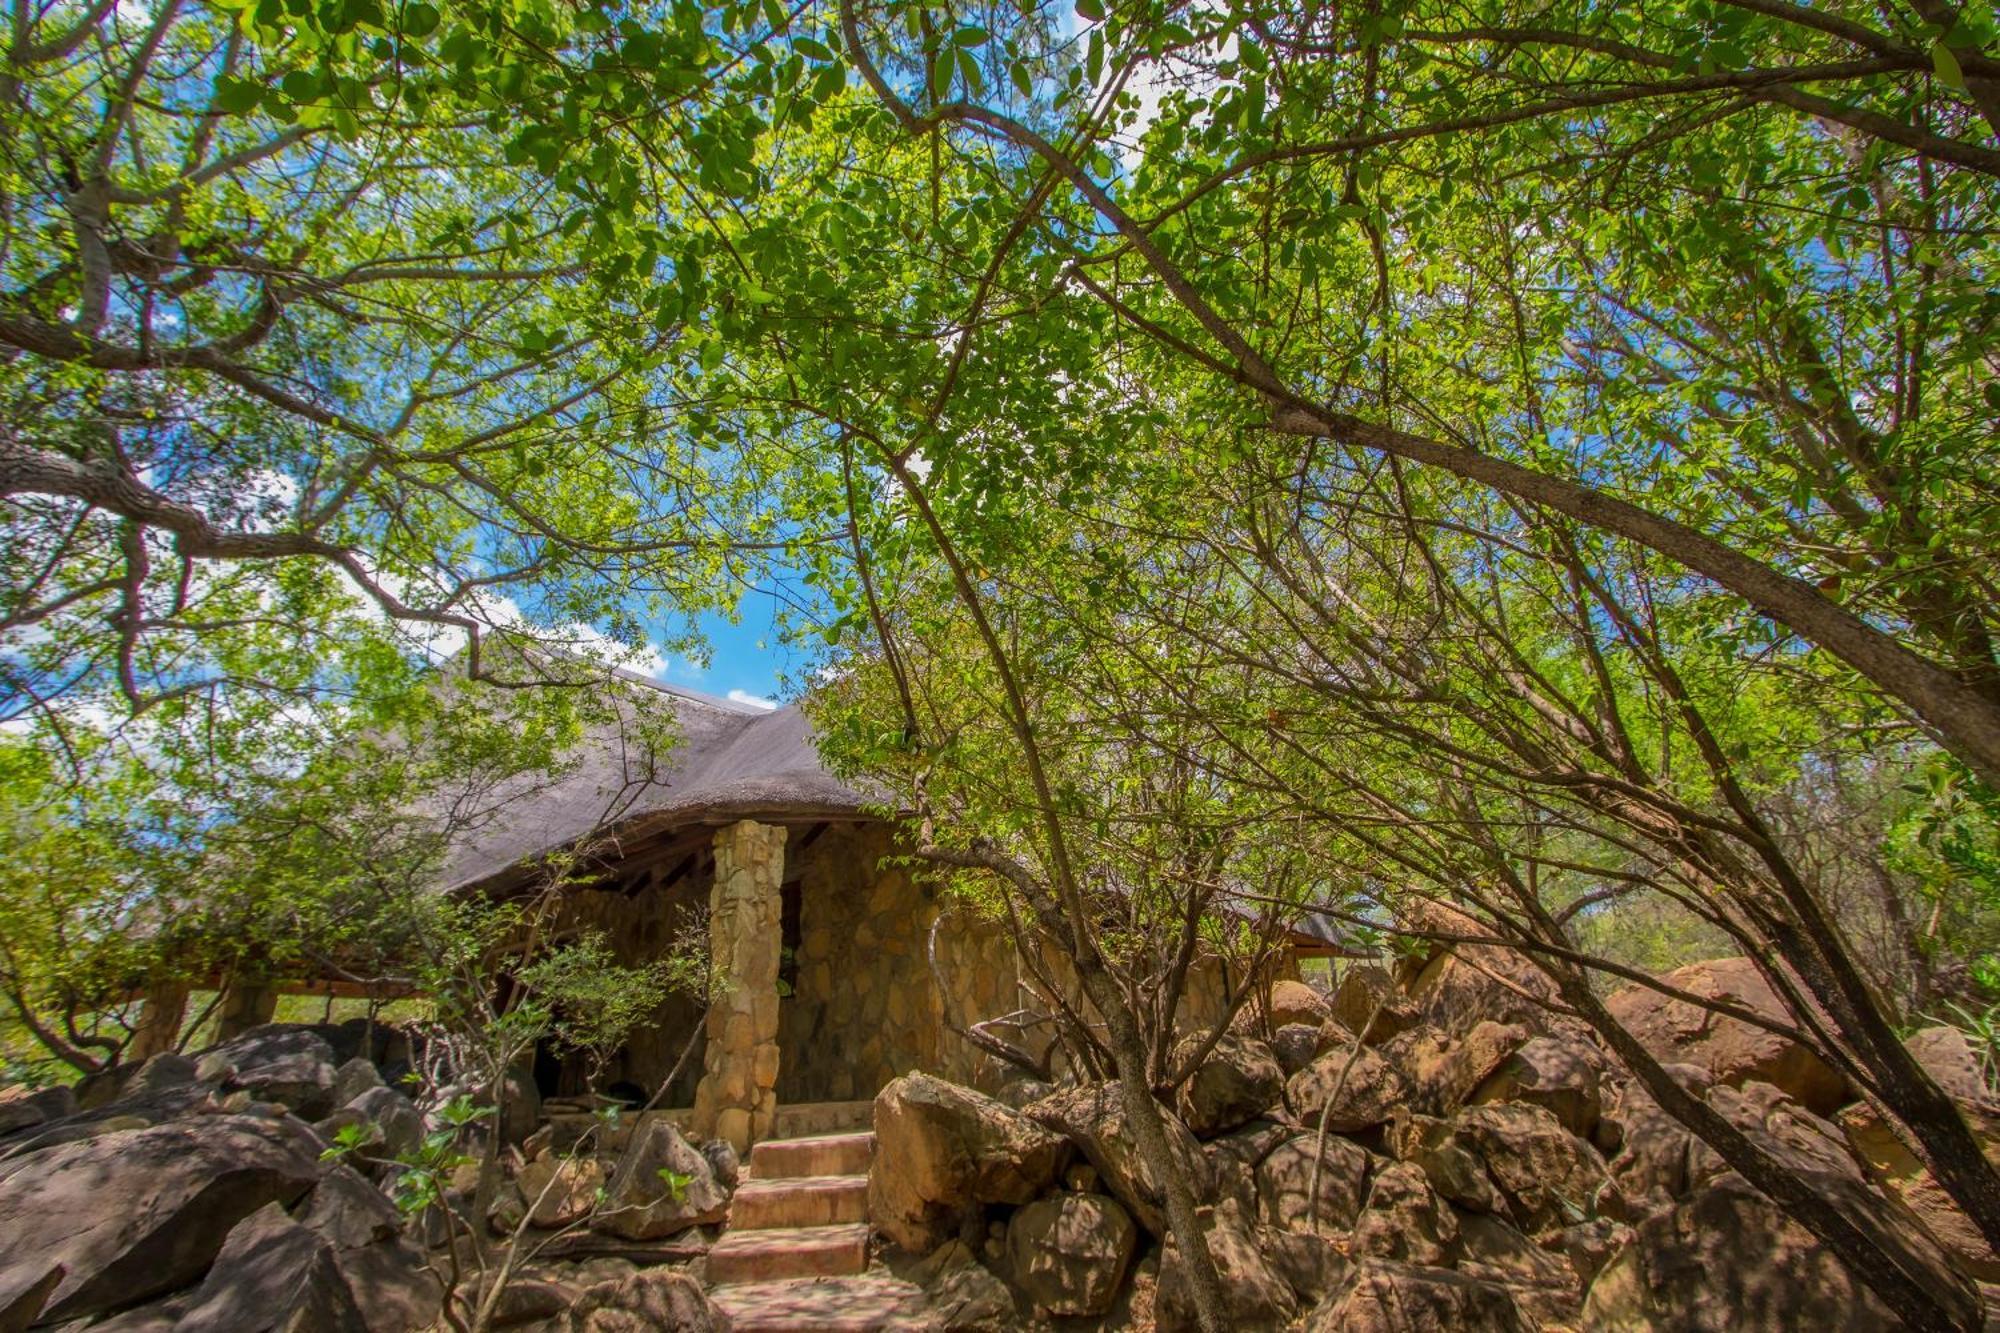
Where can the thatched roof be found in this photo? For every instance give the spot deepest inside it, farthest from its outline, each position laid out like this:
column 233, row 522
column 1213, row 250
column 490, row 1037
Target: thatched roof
column 733, row 761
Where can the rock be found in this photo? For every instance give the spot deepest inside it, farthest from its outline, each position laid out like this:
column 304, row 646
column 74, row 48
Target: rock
column 399, row 1124
column 1652, row 1150
column 649, row 1301
column 299, row 1083
column 1731, row 1050
column 1069, row 1253
column 1233, row 1160
column 1094, row 1119
column 641, row 1203
column 133, row 1214
column 1296, row 1002
column 1445, row 1076
column 1404, row 1219
column 560, row 1190
column 1562, row 1077
column 527, row 1299
column 1429, row 1144
column 1460, row 986
column 520, row 1106
column 21, row 1109
column 168, row 1069
column 1371, row 1089
column 1295, row 1045
column 1385, row 1297
column 1310, row 1265
column 1904, row 1178
column 1728, row 1259
column 941, row 1149
column 1550, row 1177
column 1255, row 1296
column 723, row 1162
column 1544, row 1286
column 349, row 1212
column 1238, row 1080
column 1285, row 1188
column 270, row 1043
column 1949, row 1058
column 274, row 1274
column 971, row 1300
column 1368, row 995
column 19, row 1310
column 352, row 1079
column 1781, row 1127
column 1591, row 1244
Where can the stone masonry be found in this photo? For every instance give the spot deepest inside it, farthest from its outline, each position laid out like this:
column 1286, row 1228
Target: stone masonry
column 738, row 1099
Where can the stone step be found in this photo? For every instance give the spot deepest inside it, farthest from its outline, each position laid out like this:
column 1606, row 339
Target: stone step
column 798, row 1119
column 819, row 1305
column 790, row 1252
column 799, row 1201
column 819, row 1155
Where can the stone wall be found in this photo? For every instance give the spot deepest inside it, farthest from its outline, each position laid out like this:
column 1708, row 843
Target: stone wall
column 863, row 1008
column 639, row 925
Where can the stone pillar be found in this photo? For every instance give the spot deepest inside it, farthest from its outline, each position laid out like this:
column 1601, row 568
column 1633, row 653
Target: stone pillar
column 159, row 1020
column 738, row 1098
column 245, row 1004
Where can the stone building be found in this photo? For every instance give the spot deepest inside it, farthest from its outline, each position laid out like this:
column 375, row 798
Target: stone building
column 840, row 968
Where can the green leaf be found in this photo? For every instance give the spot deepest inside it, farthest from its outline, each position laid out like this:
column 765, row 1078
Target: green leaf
column 1091, row 9
column 811, row 49
column 420, row 20
column 1946, row 65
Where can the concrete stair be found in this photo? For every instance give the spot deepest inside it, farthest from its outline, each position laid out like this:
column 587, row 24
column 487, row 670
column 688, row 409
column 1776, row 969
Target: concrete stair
column 794, row 1258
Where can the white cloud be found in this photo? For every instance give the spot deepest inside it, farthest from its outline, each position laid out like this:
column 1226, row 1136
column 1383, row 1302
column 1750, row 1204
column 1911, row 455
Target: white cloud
column 752, row 700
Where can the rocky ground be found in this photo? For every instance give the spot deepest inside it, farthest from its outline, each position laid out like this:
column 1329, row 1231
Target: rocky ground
column 1429, row 1150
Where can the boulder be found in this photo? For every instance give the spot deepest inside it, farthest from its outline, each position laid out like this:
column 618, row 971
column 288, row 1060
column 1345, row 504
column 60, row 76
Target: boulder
column 1069, row 1253
column 560, row 1190
column 1430, row 1145
column 1286, row 1189
column 1234, row 1157
column 1550, row 1177
column 1295, row 1044
column 968, row 1298
column 1948, row 1057
column 1731, row 1050
column 352, row 1079
column 1445, row 1074
column 641, row 1202
column 941, row 1150
column 1386, row 1297
column 1093, row 1118
column 1541, row 1281
column 1368, row 996
column 1237, row 1081
column 133, row 1214
column 1297, row 1002
column 398, row 1123
column 1781, row 1127
column 1458, row 987
column 1255, row 1295
column 1562, row 1077
column 1727, row 1259
column 1906, row 1179
column 349, row 1212
column 1311, row 1265
column 21, row 1109
column 271, row 1274
column 650, row 1300
column 1404, row 1219
column 1352, row 1087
